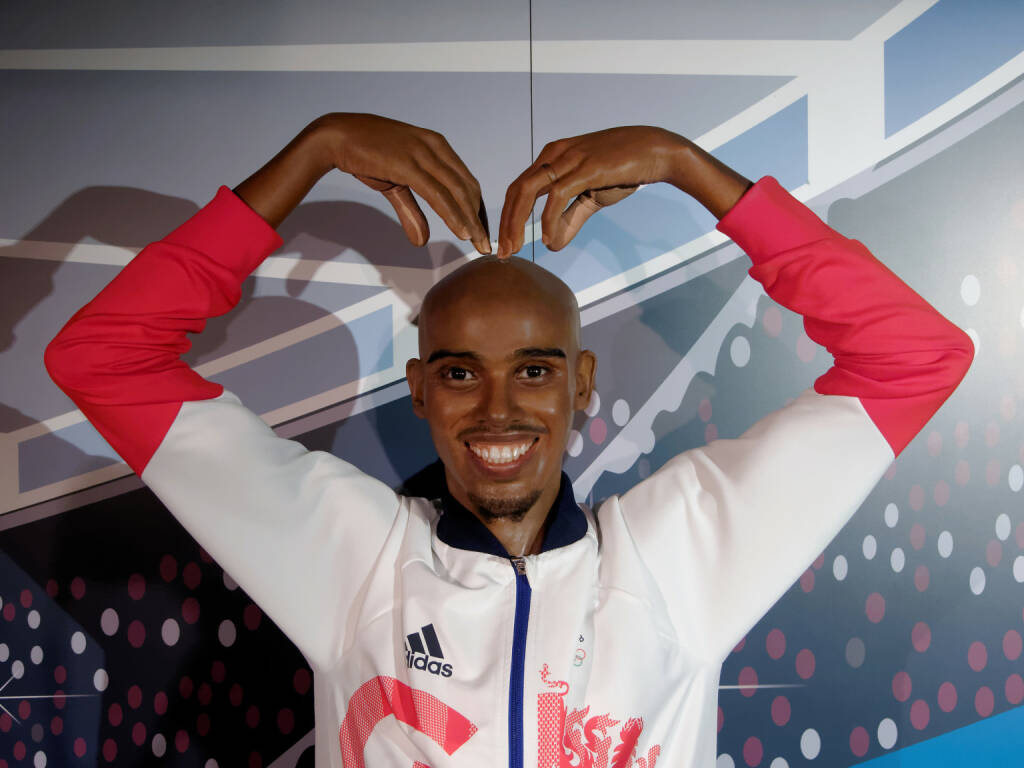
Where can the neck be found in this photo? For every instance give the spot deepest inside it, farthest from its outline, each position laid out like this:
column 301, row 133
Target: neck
column 519, row 536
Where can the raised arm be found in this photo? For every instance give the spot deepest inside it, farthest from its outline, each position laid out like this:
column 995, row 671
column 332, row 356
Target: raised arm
column 265, row 508
column 727, row 527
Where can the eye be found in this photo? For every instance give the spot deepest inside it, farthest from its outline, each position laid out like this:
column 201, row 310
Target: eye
column 534, row 371
column 455, row 373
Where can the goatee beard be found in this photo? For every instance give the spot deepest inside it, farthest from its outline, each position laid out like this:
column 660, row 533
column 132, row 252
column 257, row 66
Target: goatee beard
column 499, row 508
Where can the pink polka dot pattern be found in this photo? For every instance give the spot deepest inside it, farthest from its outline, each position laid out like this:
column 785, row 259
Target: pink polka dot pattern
column 255, row 761
column 748, row 681
column 302, row 680
column 992, row 472
column 191, row 575
column 921, row 637
column 920, row 714
column 205, row 694
column 922, row 577
column 1013, row 644
column 190, row 610
column 185, row 687
column 901, row 686
column 134, row 697
column 235, row 695
column 991, row 434
column 24, row 709
column 110, row 750
column 78, row 588
column 251, row 617
column 25, row 598
column 79, row 747
column 19, row 750
column 961, row 434
column 721, row 719
column 941, row 493
column 203, row 724
column 60, row 674
column 9, row 611
column 994, row 552
column 598, row 430
column 859, row 741
column 160, row 703
column 875, row 608
column 181, row 740
column 740, row 645
column 136, row 634
column 52, row 588
column 805, row 664
column 984, row 701
column 57, row 725
column 977, row 656
column 934, row 443
column 771, row 321
column 780, row 710
column 1014, row 689
column 710, row 433
column 218, row 671
column 139, row 734
column 917, row 536
column 252, row 716
column 168, row 568
column 775, row 644
column 807, row 580
column 805, row 348
column 753, row 752
column 962, row 473
column 115, row 715
column 819, row 562
column 136, row 586
column 916, row 497
column 285, row 721
column 704, row 410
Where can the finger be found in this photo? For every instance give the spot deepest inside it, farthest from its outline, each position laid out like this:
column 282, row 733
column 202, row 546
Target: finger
column 413, row 222
column 520, row 198
column 410, row 216
column 465, row 191
column 582, row 208
column 439, row 197
column 452, row 171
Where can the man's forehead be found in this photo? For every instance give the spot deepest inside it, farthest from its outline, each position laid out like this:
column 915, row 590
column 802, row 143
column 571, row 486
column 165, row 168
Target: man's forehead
column 499, row 307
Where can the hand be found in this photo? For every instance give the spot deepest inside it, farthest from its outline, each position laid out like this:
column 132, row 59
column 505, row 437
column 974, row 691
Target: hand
column 593, row 171
column 391, row 157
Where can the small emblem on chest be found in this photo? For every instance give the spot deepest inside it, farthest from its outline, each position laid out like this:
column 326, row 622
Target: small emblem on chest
column 423, row 652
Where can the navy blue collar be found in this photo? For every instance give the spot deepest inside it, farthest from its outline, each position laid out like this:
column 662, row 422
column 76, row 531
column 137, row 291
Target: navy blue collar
column 460, row 528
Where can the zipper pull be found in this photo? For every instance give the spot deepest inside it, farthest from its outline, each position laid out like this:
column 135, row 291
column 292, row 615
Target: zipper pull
column 519, row 563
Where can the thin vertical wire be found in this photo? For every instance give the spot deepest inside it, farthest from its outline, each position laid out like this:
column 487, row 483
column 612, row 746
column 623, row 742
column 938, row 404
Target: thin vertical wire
column 533, row 240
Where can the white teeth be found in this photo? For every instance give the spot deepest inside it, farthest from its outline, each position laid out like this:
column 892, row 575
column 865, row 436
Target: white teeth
column 500, row 454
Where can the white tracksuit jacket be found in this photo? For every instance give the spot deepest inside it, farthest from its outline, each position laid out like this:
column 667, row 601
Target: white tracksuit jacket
column 429, row 645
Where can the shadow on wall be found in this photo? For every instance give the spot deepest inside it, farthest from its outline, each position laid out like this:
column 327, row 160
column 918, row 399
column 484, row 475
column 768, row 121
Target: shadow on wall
column 126, row 217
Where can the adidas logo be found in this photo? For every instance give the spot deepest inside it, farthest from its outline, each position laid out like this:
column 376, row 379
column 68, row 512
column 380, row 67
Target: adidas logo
column 423, row 651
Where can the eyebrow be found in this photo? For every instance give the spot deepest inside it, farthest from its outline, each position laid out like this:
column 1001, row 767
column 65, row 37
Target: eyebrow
column 522, row 352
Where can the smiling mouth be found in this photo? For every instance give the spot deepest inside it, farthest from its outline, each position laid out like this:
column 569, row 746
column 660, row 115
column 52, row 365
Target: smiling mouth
column 501, row 454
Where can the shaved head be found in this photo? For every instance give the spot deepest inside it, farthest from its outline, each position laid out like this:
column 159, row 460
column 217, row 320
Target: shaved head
column 488, row 280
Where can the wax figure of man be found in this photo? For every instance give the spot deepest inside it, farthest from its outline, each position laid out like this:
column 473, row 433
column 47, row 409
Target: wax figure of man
column 502, row 623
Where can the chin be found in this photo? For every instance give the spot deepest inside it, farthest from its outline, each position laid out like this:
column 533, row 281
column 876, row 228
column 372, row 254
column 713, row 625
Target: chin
column 505, row 507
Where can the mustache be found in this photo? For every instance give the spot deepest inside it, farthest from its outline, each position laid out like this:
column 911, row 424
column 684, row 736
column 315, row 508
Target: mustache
column 504, row 429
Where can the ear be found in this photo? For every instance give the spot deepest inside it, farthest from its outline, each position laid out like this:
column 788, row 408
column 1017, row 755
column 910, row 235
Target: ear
column 586, row 367
column 414, row 375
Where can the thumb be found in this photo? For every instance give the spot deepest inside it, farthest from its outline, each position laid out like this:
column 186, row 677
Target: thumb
column 413, row 222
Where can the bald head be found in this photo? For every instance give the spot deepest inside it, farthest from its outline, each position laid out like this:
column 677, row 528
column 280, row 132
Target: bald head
column 486, row 283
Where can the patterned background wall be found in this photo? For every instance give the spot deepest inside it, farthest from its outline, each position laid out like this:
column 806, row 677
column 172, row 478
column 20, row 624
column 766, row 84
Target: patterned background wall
column 899, row 122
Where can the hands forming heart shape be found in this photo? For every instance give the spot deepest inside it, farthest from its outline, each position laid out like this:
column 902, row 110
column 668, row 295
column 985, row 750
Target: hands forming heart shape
column 579, row 176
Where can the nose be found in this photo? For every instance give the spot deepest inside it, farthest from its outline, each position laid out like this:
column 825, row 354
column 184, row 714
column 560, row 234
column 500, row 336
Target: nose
column 498, row 403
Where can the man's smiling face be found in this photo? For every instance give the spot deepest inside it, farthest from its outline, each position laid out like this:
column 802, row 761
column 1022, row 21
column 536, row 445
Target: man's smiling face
column 499, row 377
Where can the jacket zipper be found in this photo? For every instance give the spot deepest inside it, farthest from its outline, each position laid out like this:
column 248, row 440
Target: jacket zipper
column 518, row 672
